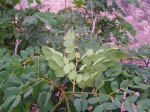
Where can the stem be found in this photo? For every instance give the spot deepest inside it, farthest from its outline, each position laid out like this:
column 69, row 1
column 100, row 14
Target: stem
column 91, row 2
column 16, row 45
column 73, row 85
column 94, row 23
column 57, row 104
column 68, row 108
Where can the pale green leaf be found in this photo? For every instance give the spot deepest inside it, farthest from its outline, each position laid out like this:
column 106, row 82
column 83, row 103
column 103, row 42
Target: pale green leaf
column 98, row 60
column 66, row 68
column 66, row 61
column 71, row 56
column 72, row 66
column 89, row 52
column 82, row 67
column 53, row 65
column 59, row 73
column 72, row 74
column 69, row 49
column 79, row 78
column 58, row 59
column 77, row 55
column 86, row 76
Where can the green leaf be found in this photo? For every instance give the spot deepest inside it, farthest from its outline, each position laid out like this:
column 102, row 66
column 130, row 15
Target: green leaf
column 70, row 35
column 128, row 107
column 124, row 83
column 59, row 73
column 145, row 103
column 82, row 67
column 69, row 49
column 89, row 52
column 72, row 66
column 98, row 60
column 78, row 105
column 23, row 54
column 47, row 52
column 139, row 109
column 79, row 78
column 15, row 103
column 103, row 97
column 114, row 86
column 41, row 98
column 66, row 68
column 30, row 1
column 14, row 80
column 109, row 106
column 28, row 92
column 30, row 51
column 84, row 104
column 78, row 3
column 131, row 99
column 2, row 51
column 92, row 100
column 86, row 76
column 117, row 103
column 8, row 100
column 84, row 95
column 53, row 65
column 58, row 59
column 12, row 91
column 72, row 74
column 68, row 43
column 66, row 61
column 42, row 67
column 77, row 55
column 71, row 56
column 47, row 99
column 98, row 108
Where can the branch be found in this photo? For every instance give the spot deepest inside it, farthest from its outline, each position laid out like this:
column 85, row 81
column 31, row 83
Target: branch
column 17, row 44
column 94, row 23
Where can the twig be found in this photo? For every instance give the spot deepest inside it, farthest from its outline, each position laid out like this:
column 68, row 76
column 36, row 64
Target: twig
column 94, row 23
column 17, row 44
column 91, row 2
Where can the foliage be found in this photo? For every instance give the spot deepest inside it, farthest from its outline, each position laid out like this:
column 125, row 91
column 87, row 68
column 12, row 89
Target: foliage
column 32, row 75
column 62, row 61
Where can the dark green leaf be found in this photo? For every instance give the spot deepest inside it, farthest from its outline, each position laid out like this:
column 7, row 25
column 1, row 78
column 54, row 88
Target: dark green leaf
column 109, row 106
column 78, row 105
column 103, row 97
column 27, row 93
column 117, row 103
column 92, row 100
column 98, row 109
column 145, row 103
column 15, row 103
column 114, row 86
